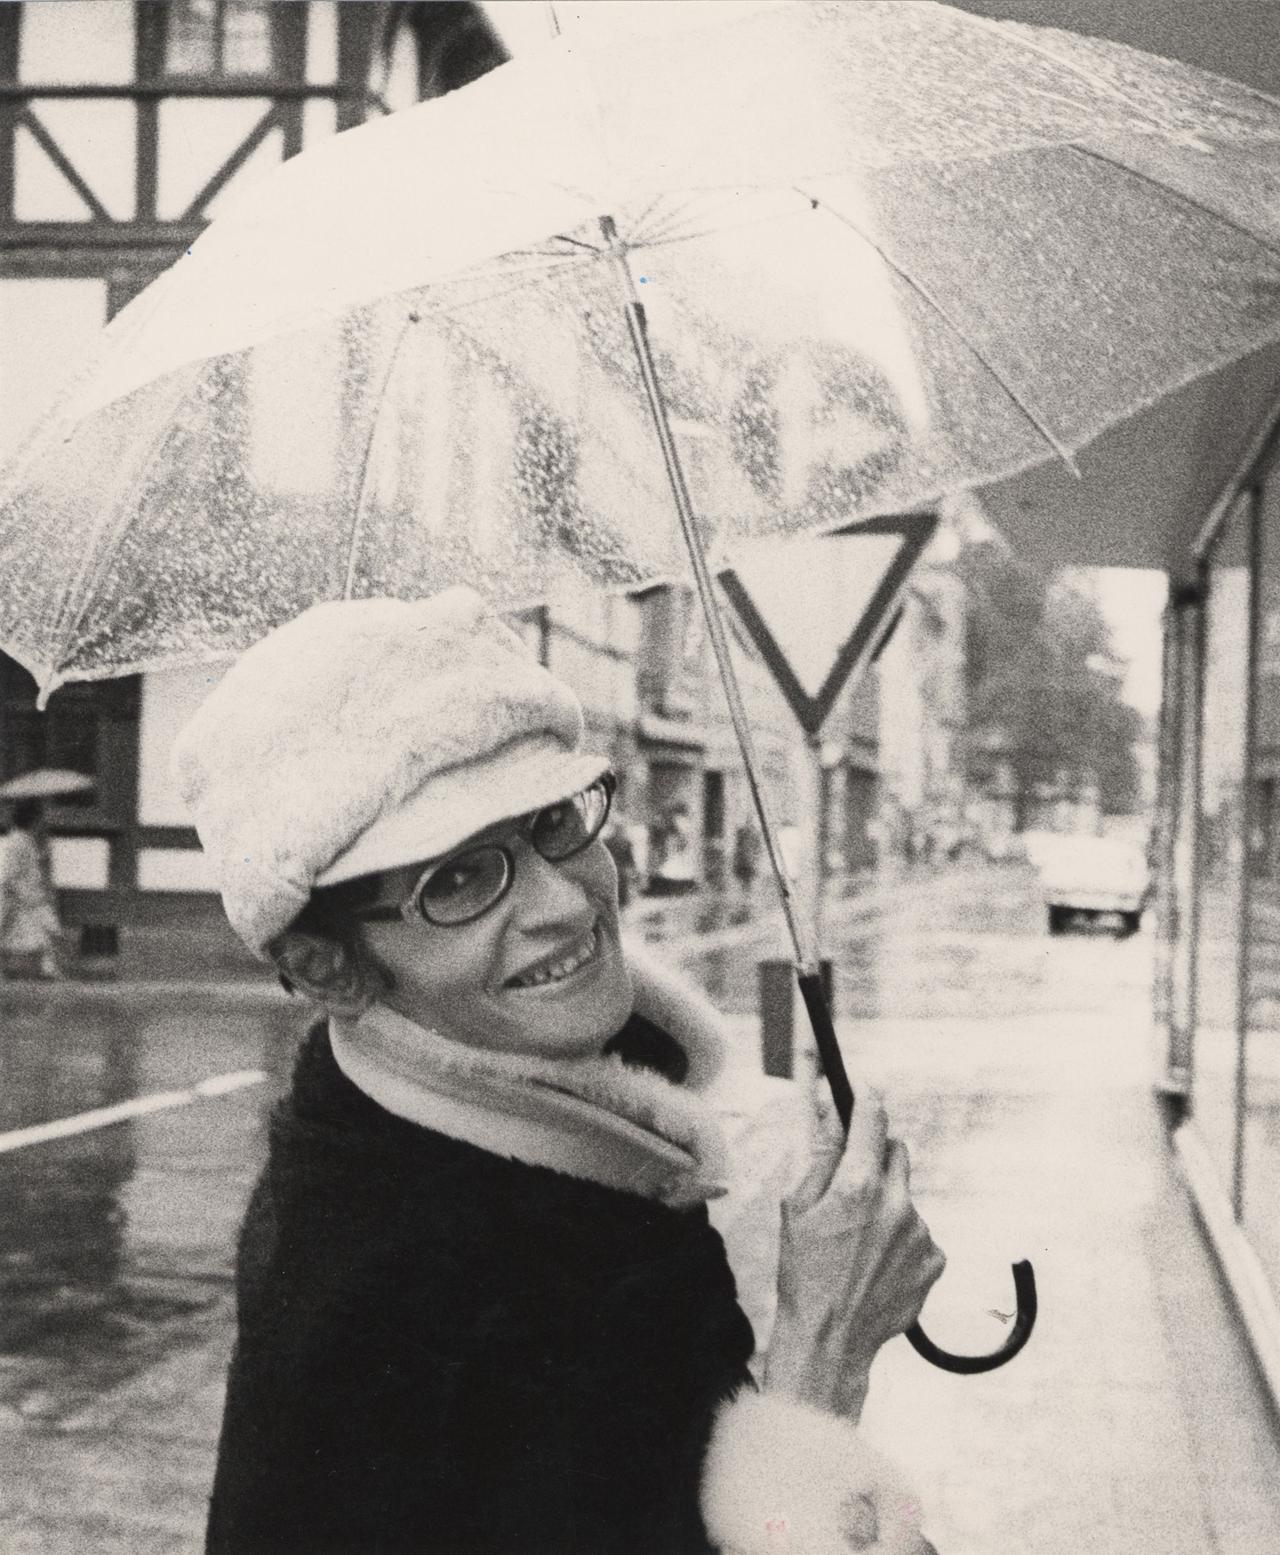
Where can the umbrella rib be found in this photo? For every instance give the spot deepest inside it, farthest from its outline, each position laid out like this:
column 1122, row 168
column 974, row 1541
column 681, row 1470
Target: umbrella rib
column 926, row 296
column 669, row 232
column 563, row 237
column 638, row 224
column 1074, row 67
column 96, row 562
column 1188, row 199
column 771, row 220
column 357, row 521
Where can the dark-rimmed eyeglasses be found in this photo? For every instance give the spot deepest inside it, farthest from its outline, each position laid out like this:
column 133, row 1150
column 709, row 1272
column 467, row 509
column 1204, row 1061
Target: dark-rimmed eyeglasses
column 464, row 886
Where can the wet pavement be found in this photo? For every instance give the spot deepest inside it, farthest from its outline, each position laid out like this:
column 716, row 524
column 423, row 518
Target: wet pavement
column 1018, row 1069
column 115, row 1243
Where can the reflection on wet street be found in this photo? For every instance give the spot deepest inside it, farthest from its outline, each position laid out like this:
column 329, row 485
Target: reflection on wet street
column 964, row 943
column 115, row 1242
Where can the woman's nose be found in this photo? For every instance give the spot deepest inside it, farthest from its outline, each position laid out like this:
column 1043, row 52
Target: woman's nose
column 547, row 894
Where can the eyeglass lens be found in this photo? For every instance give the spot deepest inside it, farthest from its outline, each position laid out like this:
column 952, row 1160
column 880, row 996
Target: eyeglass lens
column 469, row 884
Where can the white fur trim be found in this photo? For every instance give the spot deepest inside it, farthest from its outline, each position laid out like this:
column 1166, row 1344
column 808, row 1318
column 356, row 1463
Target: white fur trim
column 782, row 1478
column 594, row 1118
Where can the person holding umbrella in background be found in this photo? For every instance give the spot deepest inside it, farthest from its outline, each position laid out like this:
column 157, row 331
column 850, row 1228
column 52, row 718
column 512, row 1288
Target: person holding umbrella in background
column 481, row 1306
column 30, row 931
column 29, row 925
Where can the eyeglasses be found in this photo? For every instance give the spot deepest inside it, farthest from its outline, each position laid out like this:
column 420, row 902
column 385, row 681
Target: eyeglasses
column 465, row 886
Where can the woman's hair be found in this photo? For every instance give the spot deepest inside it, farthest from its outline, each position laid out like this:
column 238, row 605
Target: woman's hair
column 327, row 916
column 26, row 813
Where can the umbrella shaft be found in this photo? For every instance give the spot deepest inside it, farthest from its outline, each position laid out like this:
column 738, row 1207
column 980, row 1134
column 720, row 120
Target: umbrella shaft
column 805, row 956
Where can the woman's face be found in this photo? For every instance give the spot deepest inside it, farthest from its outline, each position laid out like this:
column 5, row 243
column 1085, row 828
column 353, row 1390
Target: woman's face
column 540, row 972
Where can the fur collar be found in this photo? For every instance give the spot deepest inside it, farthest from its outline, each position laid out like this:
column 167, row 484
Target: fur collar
column 594, row 1118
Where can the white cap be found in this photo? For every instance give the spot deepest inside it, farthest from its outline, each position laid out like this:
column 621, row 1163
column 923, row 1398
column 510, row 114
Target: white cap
column 367, row 734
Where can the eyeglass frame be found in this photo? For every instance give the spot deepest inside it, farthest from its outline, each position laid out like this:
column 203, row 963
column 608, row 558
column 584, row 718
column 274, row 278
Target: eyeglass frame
column 409, row 910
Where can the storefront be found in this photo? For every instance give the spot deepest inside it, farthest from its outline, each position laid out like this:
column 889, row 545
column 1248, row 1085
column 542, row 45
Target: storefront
column 1217, row 988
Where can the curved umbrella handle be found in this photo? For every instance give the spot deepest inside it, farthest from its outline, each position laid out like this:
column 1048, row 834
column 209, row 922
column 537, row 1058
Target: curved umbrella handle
column 1024, row 1286
column 1024, row 1278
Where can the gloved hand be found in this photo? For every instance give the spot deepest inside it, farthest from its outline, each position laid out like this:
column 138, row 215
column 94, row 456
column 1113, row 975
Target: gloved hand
column 855, row 1264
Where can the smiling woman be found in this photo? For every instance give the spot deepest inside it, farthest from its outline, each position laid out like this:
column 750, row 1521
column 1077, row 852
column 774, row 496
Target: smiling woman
column 481, row 1306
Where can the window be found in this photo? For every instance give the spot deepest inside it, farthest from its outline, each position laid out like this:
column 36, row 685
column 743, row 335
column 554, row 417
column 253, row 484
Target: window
column 1222, row 839
column 219, row 38
column 1260, row 1091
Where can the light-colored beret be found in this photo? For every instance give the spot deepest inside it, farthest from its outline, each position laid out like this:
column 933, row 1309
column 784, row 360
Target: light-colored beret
column 364, row 735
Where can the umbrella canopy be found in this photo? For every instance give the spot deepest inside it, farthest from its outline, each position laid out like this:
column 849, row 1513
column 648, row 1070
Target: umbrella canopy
column 891, row 251
column 46, row 783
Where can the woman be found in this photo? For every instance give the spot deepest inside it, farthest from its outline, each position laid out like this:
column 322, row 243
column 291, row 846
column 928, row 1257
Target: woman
column 29, row 927
column 481, row 1307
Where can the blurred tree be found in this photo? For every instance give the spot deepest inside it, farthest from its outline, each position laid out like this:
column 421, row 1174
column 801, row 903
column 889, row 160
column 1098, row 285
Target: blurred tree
column 1043, row 688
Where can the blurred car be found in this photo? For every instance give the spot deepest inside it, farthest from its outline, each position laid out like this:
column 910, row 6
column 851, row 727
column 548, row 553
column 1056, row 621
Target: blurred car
column 1094, row 880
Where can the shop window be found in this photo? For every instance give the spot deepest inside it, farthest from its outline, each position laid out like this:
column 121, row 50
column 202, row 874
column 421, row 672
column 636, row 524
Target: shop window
column 1260, row 1091
column 219, row 38
column 1222, row 843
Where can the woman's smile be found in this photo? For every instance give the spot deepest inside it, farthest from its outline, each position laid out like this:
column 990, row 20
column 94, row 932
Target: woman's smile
column 560, row 965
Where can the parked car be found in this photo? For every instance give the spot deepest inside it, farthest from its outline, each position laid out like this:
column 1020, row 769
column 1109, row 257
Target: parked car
column 1096, row 880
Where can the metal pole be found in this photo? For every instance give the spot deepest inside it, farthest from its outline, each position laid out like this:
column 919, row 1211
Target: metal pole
column 821, row 831
column 806, row 958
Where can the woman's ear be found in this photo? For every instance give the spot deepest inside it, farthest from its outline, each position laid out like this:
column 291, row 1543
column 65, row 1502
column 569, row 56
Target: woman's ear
column 328, row 969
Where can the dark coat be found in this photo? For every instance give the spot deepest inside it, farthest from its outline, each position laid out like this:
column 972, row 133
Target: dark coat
column 444, row 1351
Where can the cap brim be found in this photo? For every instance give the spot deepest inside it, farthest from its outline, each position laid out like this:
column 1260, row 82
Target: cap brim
column 456, row 805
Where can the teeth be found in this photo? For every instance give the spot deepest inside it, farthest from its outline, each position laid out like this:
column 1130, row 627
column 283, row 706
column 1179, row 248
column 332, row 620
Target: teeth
column 556, row 970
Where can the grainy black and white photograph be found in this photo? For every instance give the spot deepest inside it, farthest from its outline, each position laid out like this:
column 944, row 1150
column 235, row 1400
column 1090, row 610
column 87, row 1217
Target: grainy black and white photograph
column 639, row 777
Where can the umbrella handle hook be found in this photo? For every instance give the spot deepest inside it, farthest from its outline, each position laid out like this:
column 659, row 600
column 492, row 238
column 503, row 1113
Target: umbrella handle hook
column 1024, row 1278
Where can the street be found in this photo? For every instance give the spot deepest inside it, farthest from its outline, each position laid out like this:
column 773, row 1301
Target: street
column 1016, row 1066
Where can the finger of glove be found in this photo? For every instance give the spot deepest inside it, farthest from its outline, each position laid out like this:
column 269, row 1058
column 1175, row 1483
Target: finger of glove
column 897, row 1172
column 824, row 1159
column 864, row 1153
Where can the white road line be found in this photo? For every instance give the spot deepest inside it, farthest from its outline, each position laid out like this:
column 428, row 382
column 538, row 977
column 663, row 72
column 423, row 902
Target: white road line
column 139, row 1106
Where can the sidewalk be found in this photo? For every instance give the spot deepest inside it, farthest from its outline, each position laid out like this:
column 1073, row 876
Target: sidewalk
column 1133, row 1423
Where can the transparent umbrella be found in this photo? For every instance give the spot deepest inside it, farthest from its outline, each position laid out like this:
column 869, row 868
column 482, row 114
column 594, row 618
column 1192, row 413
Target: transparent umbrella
column 802, row 265
column 886, row 251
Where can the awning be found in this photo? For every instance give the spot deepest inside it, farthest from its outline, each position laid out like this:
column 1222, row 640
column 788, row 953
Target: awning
column 1148, row 485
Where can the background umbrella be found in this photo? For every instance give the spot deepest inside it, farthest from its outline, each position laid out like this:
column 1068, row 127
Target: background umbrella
column 892, row 251
column 46, row 783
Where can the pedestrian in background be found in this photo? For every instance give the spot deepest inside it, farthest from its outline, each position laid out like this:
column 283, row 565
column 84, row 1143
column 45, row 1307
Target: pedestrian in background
column 481, row 1307
column 29, row 926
